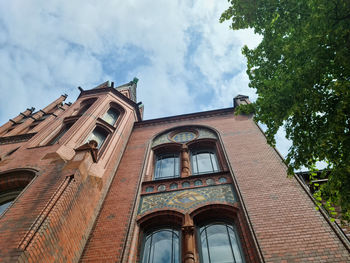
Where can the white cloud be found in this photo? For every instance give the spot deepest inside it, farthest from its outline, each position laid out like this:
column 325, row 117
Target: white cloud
column 185, row 59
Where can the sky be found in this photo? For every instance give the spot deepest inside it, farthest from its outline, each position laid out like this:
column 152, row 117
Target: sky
column 185, row 60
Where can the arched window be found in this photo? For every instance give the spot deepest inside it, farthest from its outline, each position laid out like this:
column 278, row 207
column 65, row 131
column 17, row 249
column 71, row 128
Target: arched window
column 99, row 135
column 111, row 116
column 11, row 185
column 161, row 246
column 62, row 132
column 219, row 243
column 85, row 105
column 204, row 161
column 167, row 166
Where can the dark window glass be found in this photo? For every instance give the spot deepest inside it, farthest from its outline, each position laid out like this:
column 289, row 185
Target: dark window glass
column 61, row 133
column 204, row 162
column 5, row 205
column 167, row 166
column 219, row 244
column 84, row 109
column 161, row 246
column 6, row 199
column 111, row 116
column 99, row 135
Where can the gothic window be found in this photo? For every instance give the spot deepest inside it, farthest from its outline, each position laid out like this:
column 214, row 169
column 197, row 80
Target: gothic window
column 85, row 105
column 62, row 132
column 167, row 166
column 111, row 116
column 161, row 246
column 219, row 243
column 204, row 161
column 99, row 135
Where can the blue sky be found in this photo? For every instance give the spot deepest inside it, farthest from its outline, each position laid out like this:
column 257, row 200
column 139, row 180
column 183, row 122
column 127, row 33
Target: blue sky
column 186, row 61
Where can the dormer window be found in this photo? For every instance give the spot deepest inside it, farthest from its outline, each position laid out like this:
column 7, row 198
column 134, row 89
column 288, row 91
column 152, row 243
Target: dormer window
column 111, row 116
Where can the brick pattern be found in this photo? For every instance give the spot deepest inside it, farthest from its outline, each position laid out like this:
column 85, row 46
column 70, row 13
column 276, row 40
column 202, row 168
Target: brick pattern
column 285, row 222
column 288, row 227
column 107, row 239
column 51, row 219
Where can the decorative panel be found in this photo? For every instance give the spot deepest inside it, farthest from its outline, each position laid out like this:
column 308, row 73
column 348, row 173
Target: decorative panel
column 183, row 135
column 187, row 199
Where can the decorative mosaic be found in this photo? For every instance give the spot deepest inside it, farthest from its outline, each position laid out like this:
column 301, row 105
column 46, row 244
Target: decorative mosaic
column 202, row 133
column 187, row 199
column 182, row 137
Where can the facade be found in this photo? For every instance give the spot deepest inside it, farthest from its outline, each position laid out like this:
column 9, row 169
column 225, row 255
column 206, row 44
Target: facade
column 92, row 181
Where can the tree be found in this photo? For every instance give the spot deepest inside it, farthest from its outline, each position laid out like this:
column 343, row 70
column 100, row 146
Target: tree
column 301, row 72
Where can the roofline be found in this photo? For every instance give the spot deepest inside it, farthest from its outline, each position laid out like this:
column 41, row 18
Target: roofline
column 184, row 116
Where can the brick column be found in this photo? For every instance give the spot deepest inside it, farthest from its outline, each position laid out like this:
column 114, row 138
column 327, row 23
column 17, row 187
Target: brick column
column 189, row 245
column 185, row 161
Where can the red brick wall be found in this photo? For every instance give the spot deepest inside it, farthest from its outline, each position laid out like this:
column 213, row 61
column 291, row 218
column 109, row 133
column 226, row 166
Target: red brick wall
column 51, row 220
column 284, row 219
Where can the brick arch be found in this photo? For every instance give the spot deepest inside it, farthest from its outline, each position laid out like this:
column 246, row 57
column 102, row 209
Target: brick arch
column 162, row 217
column 85, row 105
column 16, row 179
column 231, row 214
column 183, row 127
column 215, row 211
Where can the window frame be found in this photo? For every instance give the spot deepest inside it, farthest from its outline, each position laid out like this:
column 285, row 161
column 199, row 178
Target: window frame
column 152, row 231
column 160, row 157
column 61, row 133
column 116, row 120
column 105, row 141
column 227, row 224
column 13, row 184
column 85, row 105
column 212, row 152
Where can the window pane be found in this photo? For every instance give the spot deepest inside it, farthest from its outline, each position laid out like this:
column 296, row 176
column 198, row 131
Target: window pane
column 167, row 166
column 5, row 205
column 204, row 162
column 219, row 244
column 194, row 164
column 205, row 251
column 99, row 136
column 214, row 162
column 111, row 116
column 235, row 246
column 161, row 246
column 61, row 133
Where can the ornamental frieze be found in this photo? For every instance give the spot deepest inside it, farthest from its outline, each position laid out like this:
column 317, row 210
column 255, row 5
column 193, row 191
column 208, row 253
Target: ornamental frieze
column 187, row 199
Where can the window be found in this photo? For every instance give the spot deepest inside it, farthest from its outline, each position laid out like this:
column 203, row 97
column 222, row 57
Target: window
column 7, row 199
column 161, row 246
column 219, row 243
column 62, row 132
column 204, row 161
column 11, row 185
column 167, row 166
column 99, row 135
column 111, row 116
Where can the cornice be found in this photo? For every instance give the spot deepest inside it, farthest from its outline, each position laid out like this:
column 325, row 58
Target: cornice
column 188, row 116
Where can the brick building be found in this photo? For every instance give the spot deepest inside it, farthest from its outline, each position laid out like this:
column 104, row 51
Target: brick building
column 94, row 182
